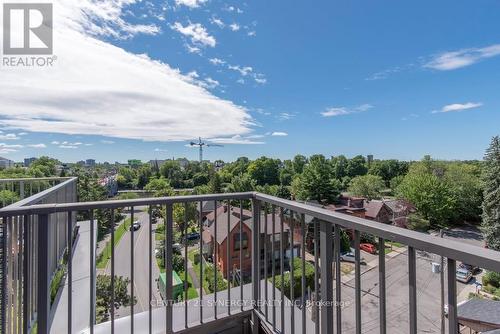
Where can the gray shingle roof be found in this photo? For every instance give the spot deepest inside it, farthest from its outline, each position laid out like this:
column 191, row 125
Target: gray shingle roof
column 483, row 310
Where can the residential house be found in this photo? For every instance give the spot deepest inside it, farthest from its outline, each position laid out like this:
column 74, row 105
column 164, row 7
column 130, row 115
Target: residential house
column 228, row 231
column 354, row 206
column 378, row 210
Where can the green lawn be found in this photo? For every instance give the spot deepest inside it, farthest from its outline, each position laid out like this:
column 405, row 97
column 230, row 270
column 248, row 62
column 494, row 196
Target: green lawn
column 104, row 257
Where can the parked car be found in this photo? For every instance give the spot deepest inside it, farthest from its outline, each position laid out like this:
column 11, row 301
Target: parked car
column 369, row 248
column 348, row 257
column 177, row 247
column 463, row 275
column 473, row 269
column 135, row 226
column 193, row 236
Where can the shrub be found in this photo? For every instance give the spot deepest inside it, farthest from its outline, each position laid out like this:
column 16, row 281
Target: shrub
column 297, row 279
column 491, row 278
column 418, row 223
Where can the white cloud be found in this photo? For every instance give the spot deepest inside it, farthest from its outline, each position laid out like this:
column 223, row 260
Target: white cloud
column 234, row 27
column 192, row 49
column 236, row 140
column 22, row 133
column 279, row 134
column 6, row 148
column 456, row 59
column 217, row 61
column 41, row 145
column 9, row 136
column 190, row 3
column 248, row 71
column 96, row 88
column 340, row 111
column 211, row 83
column 107, row 142
column 196, row 32
column 285, row 116
column 100, row 18
column 68, row 146
column 160, row 150
column 252, row 33
column 218, row 22
column 458, row 107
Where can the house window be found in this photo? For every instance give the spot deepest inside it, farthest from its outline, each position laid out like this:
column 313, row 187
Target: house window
column 236, row 240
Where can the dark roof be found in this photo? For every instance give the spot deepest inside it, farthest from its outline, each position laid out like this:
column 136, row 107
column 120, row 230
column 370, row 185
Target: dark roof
column 277, row 224
column 373, row 208
column 480, row 310
column 222, row 220
column 234, row 219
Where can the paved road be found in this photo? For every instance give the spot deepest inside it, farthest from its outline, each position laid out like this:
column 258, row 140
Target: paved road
column 428, row 300
column 141, row 264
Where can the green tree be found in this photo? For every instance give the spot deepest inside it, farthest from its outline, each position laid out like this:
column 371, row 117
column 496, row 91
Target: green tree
column 299, row 162
column 144, row 173
column 8, row 197
column 465, row 184
column 431, row 196
column 241, row 183
column 43, row 167
column 215, row 184
column 172, row 171
column 368, row 186
column 264, row 171
column 339, row 167
column 356, row 166
column 388, row 169
column 127, row 178
column 103, row 296
column 159, row 187
column 491, row 203
column 316, row 182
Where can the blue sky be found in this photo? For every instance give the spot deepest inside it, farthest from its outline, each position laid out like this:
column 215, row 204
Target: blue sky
column 389, row 78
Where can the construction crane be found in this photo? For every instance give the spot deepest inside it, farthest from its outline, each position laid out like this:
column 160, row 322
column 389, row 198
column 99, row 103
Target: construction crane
column 200, row 144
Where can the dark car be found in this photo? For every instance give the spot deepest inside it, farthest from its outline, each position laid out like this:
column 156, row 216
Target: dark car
column 135, row 226
column 192, row 236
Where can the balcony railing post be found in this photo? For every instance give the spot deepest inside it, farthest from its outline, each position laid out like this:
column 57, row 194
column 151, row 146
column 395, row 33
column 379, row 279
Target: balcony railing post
column 255, row 261
column 21, row 189
column 452, row 297
column 43, row 293
column 326, row 261
column 169, row 241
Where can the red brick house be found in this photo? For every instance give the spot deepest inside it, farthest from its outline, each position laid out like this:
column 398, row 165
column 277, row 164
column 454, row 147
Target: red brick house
column 217, row 243
column 378, row 211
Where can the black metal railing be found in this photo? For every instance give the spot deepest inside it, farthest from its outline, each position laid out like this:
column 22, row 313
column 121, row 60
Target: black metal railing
column 262, row 273
column 20, row 238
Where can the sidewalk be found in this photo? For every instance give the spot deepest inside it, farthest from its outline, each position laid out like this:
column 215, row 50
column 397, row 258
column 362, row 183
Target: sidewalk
column 80, row 289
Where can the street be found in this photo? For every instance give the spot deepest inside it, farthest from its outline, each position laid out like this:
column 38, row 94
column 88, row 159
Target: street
column 428, row 300
column 141, row 264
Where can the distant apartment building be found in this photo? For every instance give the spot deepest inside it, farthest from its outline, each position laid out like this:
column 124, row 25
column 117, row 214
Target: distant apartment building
column 6, row 163
column 28, row 161
column 90, row 163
